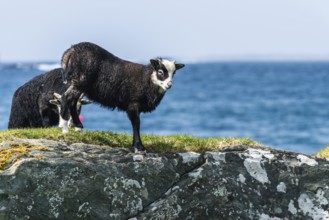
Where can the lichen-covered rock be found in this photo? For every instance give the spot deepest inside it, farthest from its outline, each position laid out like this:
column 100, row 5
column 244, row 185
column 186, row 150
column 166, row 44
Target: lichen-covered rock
column 81, row 181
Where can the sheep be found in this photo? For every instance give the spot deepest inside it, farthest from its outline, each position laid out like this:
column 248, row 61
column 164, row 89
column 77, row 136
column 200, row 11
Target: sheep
column 115, row 83
column 57, row 102
column 34, row 104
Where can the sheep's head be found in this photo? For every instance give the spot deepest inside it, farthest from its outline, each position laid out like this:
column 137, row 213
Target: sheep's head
column 58, row 100
column 163, row 74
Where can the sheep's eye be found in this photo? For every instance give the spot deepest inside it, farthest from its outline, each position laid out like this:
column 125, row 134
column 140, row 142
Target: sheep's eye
column 160, row 73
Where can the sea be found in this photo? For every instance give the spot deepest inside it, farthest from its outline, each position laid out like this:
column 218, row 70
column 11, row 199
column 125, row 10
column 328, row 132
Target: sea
column 284, row 105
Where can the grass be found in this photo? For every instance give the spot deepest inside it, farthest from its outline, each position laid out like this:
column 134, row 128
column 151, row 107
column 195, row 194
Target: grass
column 153, row 143
column 13, row 152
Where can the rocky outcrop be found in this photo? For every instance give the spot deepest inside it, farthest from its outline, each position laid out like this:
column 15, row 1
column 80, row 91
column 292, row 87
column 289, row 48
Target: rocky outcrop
column 80, row 181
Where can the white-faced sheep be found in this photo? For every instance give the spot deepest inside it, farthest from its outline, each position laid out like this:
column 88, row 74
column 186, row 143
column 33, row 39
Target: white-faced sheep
column 115, row 83
column 34, row 104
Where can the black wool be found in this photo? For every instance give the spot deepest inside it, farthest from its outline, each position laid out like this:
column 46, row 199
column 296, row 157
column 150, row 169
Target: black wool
column 110, row 81
column 31, row 107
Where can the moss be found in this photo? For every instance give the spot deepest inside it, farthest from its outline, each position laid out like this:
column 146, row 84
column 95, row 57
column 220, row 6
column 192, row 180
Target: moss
column 153, row 143
column 323, row 153
column 15, row 152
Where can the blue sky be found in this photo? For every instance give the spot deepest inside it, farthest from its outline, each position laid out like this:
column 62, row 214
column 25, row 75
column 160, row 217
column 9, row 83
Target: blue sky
column 41, row 30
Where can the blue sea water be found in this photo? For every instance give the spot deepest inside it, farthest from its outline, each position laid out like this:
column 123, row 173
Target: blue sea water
column 280, row 104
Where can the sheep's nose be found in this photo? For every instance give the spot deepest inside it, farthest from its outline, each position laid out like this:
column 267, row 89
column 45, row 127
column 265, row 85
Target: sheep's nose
column 169, row 85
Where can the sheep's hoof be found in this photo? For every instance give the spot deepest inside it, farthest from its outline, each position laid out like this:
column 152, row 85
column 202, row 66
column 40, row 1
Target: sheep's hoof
column 139, row 152
column 138, row 157
column 65, row 131
column 79, row 129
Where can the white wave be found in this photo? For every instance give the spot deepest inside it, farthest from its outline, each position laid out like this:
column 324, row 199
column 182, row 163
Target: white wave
column 47, row 66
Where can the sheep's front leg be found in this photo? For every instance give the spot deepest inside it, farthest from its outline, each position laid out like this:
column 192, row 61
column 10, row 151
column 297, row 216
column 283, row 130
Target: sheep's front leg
column 68, row 108
column 133, row 115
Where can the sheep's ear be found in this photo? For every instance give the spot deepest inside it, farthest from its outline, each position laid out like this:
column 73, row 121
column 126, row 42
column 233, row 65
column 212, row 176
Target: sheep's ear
column 54, row 102
column 86, row 102
column 155, row 64
column 179, row 66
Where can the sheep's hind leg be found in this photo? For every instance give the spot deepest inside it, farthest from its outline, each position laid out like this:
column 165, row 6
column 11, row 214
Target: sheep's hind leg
column 135, row 122
column 68, row 108
column 64, row 115
column 75, row 120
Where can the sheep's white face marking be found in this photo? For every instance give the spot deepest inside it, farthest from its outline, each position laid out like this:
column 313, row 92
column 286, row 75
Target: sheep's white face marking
column 62, row 123
column 163, row 74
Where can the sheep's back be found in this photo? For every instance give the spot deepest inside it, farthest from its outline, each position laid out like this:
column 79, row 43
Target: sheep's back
column 33, row 95
column 111, row 81
column 120, row 83
column 24, row 106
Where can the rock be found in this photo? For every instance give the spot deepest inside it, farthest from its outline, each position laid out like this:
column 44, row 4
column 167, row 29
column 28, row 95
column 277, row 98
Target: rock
column 81, row 181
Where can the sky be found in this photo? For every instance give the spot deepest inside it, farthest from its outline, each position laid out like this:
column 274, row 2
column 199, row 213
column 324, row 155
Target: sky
column 41, row 30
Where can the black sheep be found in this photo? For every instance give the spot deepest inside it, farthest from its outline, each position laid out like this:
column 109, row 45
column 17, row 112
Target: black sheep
column 58, row 100
column 31, row 104
column 115, row 83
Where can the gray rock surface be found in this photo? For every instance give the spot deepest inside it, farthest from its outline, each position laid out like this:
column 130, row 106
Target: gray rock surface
column 81, row 181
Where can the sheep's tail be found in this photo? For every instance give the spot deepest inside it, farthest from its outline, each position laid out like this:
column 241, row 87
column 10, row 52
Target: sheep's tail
column 66, row 64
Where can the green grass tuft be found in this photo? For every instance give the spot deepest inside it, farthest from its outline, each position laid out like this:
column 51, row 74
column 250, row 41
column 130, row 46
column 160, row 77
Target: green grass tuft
column 153, row 143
